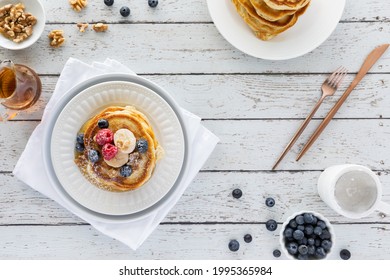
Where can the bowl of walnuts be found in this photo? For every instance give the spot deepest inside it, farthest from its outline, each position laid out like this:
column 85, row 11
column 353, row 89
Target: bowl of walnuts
column 21, row 23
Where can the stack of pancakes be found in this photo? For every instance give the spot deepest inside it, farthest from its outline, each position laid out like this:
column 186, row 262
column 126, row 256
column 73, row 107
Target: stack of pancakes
column 268, row 18
column 105, row 176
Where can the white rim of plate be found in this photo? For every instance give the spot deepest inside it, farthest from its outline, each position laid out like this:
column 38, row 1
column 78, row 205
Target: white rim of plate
column 306, row 31
column 90, row 101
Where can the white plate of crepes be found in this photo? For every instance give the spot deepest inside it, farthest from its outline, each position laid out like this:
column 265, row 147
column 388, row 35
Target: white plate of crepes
column 276, row 29
column 115, row 148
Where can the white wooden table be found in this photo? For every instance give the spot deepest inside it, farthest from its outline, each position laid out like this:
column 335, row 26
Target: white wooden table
column 253, row 105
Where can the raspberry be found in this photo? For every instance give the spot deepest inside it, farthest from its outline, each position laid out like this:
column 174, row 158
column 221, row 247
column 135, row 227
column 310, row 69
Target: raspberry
column 109, row 151
column 104, row 136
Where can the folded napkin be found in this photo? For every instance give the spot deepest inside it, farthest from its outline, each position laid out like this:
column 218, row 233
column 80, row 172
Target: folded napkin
column 30, row 168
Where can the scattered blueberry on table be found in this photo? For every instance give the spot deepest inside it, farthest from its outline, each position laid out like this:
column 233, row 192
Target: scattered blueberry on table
column 125, row 11
column 270, row 202
column 234, row 245
column 237, row 193
column 345, row 254
column 248, row 238
column 153, row 3
column 109, row 2
column 271, row 225
column 276, row 253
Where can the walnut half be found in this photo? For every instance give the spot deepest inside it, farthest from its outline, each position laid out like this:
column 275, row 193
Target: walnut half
column 78, row 5
column 100, row 27
column 82, row 27
column 57, row 38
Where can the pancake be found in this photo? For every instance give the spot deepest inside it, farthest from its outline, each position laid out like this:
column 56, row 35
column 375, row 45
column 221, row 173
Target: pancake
column 262, row 28
column 286, row 4
column 104, row 174
column 268, row 13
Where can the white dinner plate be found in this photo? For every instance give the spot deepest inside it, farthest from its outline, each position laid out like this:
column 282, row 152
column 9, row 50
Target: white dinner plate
column 311, row 30
column 85, row 105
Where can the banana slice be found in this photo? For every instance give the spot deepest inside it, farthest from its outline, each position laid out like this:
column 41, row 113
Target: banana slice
column 119, row 160
column 125, row 140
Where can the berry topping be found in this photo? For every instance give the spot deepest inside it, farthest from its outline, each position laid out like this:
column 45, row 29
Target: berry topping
column 80, row 138
column 276, row 253
column 271, row 225
column 79, row 147
column 109, row 151
column 104, row 136
column 153, row 3
column 248, row 238
column 345, row 254
column 125, row 11
column 109, row 2
column 103, row 123
column 142, row 145
column 125, row 171
column 270, row 202
column 93, row 155
column 237, row 193
column 234, row 245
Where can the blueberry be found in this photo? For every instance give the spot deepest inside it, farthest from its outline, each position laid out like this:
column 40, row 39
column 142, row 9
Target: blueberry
column 125, row 171
column 234, row 245
column 109, row 2
column 153, row 3
column 309, row 230
column 303, row 257
column 317, row 230
column 293, row 224
column 304, row 241
column 326, row 244
column 276, row 253
column 142, row 145
column 93, row 155
column 292, row 248
column 288, row 232
column 321, row 224
column 299, row 219
column 270, row 202
column 320, row 253
column 317, row 242
column 79, row 147
column 311, row 250
column 301, row 227
column 80, row 138
column 303, row 250
column 314, row 220
column 308, row 217
column 248, row 238
column 125, row 11
column 325, row 234
column 103, row 123
column 237, row 193
column 345, row 254
column 271, row 225
column 310, row 241
column 298, row 234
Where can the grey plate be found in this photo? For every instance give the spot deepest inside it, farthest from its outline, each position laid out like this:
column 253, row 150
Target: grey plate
column 55, row 112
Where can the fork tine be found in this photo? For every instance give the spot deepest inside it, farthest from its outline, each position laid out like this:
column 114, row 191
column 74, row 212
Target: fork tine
column 339, row 77
column 330, row 78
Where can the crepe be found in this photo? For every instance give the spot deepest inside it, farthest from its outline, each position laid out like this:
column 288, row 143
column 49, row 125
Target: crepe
column 108, row 177
column 263, row 28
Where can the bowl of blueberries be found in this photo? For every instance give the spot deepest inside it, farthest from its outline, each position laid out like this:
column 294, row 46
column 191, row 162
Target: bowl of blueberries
column 307, row 235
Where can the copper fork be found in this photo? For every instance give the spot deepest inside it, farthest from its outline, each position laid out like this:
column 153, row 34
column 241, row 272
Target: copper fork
column 328, row 88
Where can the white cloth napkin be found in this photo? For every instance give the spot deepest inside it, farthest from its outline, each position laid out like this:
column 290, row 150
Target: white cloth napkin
column 30, row 167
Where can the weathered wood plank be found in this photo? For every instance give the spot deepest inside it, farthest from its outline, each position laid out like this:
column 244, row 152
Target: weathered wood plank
column 255, row 144
column 258, row 96
column 184, row 11
column 178, row 242
column 207, row 200
column 197, row 48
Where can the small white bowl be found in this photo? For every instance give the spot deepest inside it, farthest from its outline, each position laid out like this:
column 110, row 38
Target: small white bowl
column 34, row 7
column 329, row 226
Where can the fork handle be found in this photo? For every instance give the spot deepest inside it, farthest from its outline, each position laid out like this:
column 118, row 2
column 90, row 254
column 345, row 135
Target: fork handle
column 299, row 131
